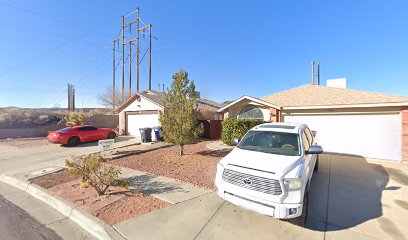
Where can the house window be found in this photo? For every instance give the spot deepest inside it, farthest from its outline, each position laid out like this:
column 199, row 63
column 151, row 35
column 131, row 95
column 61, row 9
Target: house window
column 251, row 112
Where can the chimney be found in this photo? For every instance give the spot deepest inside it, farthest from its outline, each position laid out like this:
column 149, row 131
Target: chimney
column 337, row 82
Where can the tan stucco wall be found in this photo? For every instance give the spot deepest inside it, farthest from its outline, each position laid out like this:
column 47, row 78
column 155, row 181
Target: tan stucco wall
column 122, row 123
column 140, row 104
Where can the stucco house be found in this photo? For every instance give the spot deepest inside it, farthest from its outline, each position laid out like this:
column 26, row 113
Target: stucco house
column 142, row 110
column 347, row 121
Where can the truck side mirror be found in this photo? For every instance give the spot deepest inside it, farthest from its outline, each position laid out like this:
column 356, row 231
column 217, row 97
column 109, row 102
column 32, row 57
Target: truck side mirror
column 236, row 141
column 315, row 149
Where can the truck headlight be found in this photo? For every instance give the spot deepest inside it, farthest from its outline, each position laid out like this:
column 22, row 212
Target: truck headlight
column 293, row 184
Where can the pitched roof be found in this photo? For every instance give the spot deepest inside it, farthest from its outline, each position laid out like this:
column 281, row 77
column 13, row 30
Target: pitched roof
column 257, row 100
column 315, row 95
column 158, row 98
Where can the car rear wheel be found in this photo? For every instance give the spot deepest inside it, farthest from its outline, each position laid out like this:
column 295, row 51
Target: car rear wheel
column 72, row 141
column 301, row 220
column 111, row 135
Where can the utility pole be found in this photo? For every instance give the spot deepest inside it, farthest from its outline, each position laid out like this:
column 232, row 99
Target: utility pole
column 69, row 97
column 73, row 98
column 140, row 29
column 114, row 76
column 123, row 59
column 150, row 57
column 137, row 48
column 130, row 68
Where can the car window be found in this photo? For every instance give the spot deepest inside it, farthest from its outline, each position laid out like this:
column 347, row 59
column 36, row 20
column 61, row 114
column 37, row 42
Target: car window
column 64, row 129
column 306, row 143
column 271, row 142
column 309, row 135
column 87, row 129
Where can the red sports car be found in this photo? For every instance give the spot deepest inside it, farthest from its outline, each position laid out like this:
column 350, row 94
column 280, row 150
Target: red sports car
column 72, row 136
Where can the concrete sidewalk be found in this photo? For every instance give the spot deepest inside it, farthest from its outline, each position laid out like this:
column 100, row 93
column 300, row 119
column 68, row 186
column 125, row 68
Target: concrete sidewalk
column 163, row 188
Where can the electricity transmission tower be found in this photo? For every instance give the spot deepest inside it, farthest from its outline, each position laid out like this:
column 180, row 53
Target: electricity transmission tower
column 71, row 97
column 130, row 36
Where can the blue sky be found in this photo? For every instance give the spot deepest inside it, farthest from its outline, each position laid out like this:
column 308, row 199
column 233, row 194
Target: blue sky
column 230, row 48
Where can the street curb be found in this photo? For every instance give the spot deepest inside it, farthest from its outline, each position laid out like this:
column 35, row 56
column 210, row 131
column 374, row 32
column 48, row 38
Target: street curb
column 136, row 152
column 88, row 222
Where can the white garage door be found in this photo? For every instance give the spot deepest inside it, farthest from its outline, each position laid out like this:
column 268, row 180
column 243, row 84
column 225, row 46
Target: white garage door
column 370, row 135
column 135, row 122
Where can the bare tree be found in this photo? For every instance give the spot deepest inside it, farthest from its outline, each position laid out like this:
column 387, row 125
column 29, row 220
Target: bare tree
column 106, row 97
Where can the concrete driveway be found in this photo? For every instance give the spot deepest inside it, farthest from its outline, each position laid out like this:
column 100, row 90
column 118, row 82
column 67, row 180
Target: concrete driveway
column 351, row 198
column 29, row 155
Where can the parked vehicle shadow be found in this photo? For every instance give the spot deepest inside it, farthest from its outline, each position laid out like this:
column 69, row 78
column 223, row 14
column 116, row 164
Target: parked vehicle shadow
column 346, row 191
column 215, row 153
column 95, row 143
column 148, row 185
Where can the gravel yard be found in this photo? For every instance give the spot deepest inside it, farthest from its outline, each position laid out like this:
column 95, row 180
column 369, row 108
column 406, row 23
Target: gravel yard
column 116, row 206
column 197, row 166
column 54, row 179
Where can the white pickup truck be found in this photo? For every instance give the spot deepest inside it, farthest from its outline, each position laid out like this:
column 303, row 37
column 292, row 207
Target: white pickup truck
column 270, row 169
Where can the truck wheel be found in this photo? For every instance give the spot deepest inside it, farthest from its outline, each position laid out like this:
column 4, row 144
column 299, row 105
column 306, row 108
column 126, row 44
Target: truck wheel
column 301, row 220
column 72, row 141
column 316, row 167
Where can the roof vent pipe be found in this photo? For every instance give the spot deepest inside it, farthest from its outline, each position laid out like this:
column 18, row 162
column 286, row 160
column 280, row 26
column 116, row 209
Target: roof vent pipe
column 313, row 72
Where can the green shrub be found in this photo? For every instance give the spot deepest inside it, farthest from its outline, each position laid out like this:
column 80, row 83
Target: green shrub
column 235, row 127
column 75, row 119
column 95, row 172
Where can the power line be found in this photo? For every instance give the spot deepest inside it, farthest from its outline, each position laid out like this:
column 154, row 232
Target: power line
column 82, row 80
column 56, row 34
column 20, row 88
column 53, row 49
column 47, row 17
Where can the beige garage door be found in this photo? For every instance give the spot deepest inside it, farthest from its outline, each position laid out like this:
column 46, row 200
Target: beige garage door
column 368, row 135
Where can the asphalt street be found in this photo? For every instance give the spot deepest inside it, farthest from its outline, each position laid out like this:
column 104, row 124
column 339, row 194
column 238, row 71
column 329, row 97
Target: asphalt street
column 15, row 224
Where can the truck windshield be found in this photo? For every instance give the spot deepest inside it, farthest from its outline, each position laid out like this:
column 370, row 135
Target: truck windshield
column 271, row 142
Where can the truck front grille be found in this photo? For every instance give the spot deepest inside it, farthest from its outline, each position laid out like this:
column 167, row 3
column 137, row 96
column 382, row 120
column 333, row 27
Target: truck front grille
column 260, row 184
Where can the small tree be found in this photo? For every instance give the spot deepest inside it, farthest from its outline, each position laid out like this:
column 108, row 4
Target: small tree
column 75, row 119
column 95, row 172
column 180, row 116
column 106, row 98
